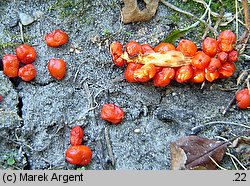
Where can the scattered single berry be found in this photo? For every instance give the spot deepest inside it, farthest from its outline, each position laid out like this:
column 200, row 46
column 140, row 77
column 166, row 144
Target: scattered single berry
column 76, row 135
column 112, row 113
column 243, row 98
column 57, row 68
column 25, row 53
column 79, row 155
column 10, row 65
column 56, row 38
column 27, row 72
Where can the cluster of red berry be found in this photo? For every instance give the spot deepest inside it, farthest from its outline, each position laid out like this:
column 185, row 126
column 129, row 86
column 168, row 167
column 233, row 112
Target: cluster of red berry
column 26, row 54
column 78, row 154
column 215, row 60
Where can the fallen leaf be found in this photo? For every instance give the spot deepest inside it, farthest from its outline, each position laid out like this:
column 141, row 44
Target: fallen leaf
column 132, row 13
column 242, row 147
column 175, row 34
column 194, row 152
column 178, row 157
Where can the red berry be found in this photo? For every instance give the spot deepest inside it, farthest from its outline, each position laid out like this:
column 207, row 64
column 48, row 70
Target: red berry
column 146, row 48
column 227, row 69
column 243, row 98
column 133, row 48
column 79, row 155
column 211, row 76
column 112, row 113
column 56, row 38
column 116, row 52
column 201, row 60
column 25, row 53
column 233, row 56
column 214, row 65
column 27, row 72
column 76, row 135
column 145, row 73
column 57, row 68
column 226, row 41
column 198, row 76
column 184, row 73
column 210, row 46
column 1, row 98
column 129, row 72
column 222, row 56
column 187, row 47
column 163, row 78
column 164, row 47
column 10, row 65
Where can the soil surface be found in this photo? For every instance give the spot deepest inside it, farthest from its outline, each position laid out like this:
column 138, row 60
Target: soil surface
column 36, row 117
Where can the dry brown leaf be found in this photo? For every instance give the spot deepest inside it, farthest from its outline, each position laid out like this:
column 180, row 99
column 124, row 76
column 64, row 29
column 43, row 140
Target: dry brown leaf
column 132, row 13
column 178, row 157
column 194, row 151
column 242, row 147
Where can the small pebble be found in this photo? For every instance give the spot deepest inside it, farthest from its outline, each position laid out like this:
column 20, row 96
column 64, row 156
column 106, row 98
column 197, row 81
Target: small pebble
column 38, row 14
column 13, row 21
column 25, row 18
column 137, row 130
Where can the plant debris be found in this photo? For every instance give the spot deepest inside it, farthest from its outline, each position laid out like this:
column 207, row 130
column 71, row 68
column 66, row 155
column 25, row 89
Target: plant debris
column 194, row 152
column 132, row 13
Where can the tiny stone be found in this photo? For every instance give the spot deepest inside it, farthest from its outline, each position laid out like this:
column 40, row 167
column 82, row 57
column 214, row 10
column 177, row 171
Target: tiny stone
column 13, row 21
column 38, row 14
column 174, row 94
column 77, row 51
column 137, row 130
column 25, row 18
column 71, row 50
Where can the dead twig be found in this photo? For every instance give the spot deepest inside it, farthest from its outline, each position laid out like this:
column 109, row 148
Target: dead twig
column 236, row 159
column 109, row 146
column 21, row 31
column 222, row 168
column 245, row 36
column 228, row 105
column 199, row 128
column 192, row 15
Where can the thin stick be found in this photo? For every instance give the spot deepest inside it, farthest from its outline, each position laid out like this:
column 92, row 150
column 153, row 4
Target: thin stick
column 177, row 9
column 197, row 129
column 245, row 36
column 228, row 105
column 110, row 151
column 222, row 168
column 21, row 31
column 234, row 163
column 189, row 14
column 238, row 161
column 77, row 72
column 236, row 19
